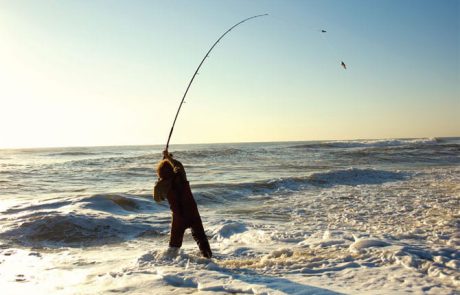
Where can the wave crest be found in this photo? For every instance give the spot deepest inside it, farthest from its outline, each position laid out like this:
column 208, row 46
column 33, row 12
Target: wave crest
column 369, row 143
column 119, row 203
column 59, row 229
column 218, row 192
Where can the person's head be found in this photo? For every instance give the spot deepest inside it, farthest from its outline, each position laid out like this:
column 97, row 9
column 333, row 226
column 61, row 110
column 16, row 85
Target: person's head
column 165, row 169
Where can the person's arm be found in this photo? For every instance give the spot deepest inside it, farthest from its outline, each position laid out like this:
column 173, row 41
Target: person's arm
column 178, row 167
column 167, row 156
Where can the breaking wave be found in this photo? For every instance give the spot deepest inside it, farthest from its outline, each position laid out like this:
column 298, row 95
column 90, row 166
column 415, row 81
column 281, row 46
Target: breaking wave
column 119, row 203
column 123, row 204
column 101, row 219
column 350, row 177
column 109, row 218
column 53, row 229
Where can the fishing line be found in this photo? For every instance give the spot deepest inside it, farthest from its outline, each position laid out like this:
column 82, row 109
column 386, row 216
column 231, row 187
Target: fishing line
column 327, row 41
column 313, row 31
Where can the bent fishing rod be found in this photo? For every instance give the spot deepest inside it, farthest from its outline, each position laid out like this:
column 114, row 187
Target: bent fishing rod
column 197, row 69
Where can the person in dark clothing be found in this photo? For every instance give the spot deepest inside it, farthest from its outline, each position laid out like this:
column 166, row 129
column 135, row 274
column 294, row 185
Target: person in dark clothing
column 173, row 186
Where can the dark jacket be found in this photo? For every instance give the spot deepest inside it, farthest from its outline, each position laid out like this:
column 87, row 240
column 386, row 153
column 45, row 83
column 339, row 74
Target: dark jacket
column 176, row 190
column 178, row 193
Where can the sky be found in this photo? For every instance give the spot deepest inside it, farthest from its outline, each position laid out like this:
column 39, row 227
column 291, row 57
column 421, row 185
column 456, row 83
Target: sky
column 93, row 72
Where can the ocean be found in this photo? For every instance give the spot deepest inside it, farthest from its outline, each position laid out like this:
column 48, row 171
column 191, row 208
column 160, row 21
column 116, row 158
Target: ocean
column 318, row 217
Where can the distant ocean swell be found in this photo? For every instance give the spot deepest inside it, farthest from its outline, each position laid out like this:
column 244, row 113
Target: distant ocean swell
column 371, row 143
column 79, row 153
column 428, row 151
column 372, row 151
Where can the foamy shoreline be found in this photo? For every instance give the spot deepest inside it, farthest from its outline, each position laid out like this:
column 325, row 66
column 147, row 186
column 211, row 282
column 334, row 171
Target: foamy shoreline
column 303, row 220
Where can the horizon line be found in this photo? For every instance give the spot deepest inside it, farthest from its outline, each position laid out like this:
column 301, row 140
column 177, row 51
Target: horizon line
column 230, row 142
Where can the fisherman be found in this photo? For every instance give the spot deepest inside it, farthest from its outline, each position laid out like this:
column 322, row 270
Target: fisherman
column 173, row 186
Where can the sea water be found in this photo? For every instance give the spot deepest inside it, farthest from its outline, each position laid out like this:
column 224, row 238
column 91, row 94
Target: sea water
column 327, row 217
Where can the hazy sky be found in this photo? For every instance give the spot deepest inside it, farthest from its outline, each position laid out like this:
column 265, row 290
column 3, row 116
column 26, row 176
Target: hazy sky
column 76, row 73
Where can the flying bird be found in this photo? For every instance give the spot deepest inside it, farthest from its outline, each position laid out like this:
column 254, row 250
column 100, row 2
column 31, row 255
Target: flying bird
column 323, row 31
column 344, row 65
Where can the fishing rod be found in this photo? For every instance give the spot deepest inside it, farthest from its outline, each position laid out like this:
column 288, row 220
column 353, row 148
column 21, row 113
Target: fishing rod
column 199, row 66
